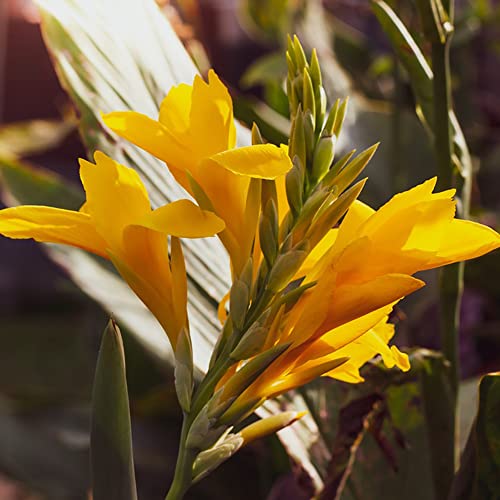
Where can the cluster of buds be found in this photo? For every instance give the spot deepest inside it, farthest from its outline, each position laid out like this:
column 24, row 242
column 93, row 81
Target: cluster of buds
column 316, row 195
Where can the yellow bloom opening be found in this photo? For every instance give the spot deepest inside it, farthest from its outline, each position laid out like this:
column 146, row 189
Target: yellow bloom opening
column 362, row 270
column 117, row 222
column 195, row 135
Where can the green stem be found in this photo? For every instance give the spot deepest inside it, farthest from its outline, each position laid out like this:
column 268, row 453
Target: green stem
column 183, row 475
column 451, row 277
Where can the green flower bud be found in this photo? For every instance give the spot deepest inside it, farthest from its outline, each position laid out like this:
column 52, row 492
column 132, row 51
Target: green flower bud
column 323, row 157
column 300, row 56
column 295, row 186
column 268, row 232
column 239, row 298
column 309, row 133
column 309, row 100
column 286, row 266
column 315, row 70
column 333, row 213
column 184, row 370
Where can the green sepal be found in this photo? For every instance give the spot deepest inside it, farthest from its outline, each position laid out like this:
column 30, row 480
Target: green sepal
column 330, row 121
column 339, row 117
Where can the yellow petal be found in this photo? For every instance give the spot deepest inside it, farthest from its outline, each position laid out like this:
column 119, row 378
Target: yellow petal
column 318, row 252
column 116, row 196
column 464, row 240
column 183, row 219
column 349, row 302
column 357, row 214
column 155, row 293
column 150, row 135
column 179, row 280
column 343, row 335
column 263, row 161
column 401, row 201
column 211, row 117
column 52, row 225
column 175, row 109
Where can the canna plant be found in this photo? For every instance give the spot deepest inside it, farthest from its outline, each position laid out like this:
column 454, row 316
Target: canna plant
column 315, row 272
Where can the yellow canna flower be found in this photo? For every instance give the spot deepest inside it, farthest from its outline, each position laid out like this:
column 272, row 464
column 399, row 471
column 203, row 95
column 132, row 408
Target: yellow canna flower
column 117, row 223
column 196, row 136
column 362, row 270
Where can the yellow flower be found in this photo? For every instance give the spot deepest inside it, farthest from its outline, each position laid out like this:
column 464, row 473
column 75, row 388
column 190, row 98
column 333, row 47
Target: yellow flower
column 362, row 270
column 196, row 136
column 117, row 223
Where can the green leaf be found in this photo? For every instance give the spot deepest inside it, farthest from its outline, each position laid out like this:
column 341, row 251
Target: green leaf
column 479, row 474
column 409, row 54
column 112, row 463
column 420, row 74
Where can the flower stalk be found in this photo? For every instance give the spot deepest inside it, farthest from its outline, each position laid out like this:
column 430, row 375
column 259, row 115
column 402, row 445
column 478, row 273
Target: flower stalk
column 437, row 18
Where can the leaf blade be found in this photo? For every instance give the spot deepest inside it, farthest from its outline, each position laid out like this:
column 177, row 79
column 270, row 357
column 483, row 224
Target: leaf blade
column 111, row 455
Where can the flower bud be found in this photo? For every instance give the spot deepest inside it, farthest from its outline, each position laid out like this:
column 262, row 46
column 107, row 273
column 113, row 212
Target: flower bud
column 239, row 298
column 184, row 369
column 323, row 157
column 286, row 266
column 269, row 425
column 295, row 186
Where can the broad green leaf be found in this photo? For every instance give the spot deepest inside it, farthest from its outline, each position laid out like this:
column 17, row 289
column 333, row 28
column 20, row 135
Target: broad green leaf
column 111, row 456
column 479, row 474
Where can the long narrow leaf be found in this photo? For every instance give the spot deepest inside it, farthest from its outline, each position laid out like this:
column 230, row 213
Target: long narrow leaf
column 112, row 463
